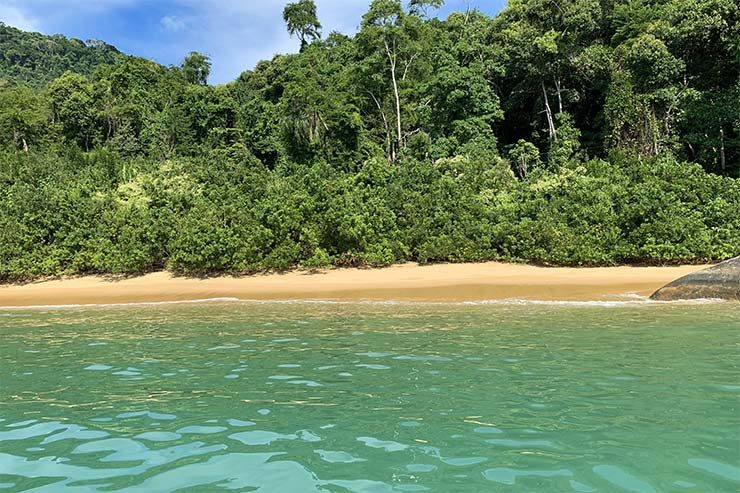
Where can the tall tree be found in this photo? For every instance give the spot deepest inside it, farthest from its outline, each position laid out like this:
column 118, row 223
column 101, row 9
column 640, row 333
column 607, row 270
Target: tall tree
column 302, row 21
column 197, row 67
column 74, row 107
column 391, row 43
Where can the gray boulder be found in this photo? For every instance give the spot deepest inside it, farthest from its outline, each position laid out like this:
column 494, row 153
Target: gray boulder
column 719, row 281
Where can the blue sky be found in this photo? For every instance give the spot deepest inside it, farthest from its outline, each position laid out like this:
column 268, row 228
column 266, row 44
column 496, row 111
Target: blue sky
column 235, row 33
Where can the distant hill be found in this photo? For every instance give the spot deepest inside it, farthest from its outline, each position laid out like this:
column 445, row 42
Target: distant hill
column 35, row 58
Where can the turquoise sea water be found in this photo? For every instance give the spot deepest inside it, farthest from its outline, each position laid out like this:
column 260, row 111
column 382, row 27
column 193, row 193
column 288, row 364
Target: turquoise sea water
column 371, row 398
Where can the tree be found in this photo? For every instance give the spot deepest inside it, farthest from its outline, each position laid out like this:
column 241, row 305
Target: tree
column 525, row 156
column 318, row 112
column 389, row 43
column 418, row 7
column 23, row 117
column 648, row 96
column 301, row 20
column 457, row 100
column 73, row 105
column 196, row 67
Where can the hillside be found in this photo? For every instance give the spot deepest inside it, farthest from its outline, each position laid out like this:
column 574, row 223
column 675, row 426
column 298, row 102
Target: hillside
column 577, row 132
column 36, row 59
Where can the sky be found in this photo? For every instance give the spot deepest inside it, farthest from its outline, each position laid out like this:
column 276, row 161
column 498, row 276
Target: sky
column 236, row 34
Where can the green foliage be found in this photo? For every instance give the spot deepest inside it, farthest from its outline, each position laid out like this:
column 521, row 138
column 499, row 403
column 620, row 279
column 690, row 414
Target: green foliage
column 576, row 132
column 301, row 20
column 73, row 108
column 35, row 59
column 196, row 67
column 24, row 119
column 525, row 157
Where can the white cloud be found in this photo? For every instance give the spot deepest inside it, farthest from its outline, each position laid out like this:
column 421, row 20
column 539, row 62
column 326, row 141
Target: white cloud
column 13, row 16
column 172, row 23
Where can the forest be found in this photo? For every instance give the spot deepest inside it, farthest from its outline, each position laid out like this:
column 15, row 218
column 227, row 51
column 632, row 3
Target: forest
column 559, row 132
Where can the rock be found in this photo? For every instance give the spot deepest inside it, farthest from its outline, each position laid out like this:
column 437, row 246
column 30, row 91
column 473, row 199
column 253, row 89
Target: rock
column 720, row 281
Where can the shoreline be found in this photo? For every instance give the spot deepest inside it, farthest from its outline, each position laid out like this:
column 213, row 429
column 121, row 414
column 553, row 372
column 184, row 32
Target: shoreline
column 489, row 281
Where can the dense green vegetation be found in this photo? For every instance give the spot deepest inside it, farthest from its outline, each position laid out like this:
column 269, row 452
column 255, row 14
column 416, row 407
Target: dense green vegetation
column 35, row 59
column 576, row 132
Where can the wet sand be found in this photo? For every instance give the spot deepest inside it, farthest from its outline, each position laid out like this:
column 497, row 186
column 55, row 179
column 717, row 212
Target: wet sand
column 405, row 282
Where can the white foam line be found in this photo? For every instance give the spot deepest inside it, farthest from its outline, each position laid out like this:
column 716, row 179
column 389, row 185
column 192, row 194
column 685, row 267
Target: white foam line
column 632, row 300
column 109, row 305
column 639, row 301
column 601, row 303
column 504, row 302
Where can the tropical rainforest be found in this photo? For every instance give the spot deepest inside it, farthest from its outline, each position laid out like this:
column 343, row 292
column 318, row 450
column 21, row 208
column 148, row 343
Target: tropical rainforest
column 561, row 132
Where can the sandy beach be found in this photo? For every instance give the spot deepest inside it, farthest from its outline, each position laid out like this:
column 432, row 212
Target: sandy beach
column 405, row 282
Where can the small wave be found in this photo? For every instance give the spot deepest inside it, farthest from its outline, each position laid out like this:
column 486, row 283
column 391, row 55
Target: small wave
column 122, row 304
column 622, row 301
column 632, row 300
column 641, row 301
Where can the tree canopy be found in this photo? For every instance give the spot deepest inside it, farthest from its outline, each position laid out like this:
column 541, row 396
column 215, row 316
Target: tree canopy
column 196, row 68
column 301, row 20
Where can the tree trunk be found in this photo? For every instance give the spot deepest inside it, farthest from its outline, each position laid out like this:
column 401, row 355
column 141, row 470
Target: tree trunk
column 388, row 138
column 722, row 149
column 560, row 97
column 548, row 112
column 654, row 129
column 392, row 60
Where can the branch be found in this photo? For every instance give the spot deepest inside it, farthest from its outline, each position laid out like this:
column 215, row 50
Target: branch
column 408, row 64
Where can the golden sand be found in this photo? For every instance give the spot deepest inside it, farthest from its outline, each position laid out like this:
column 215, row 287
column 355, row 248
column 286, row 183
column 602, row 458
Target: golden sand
column 405, row 282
